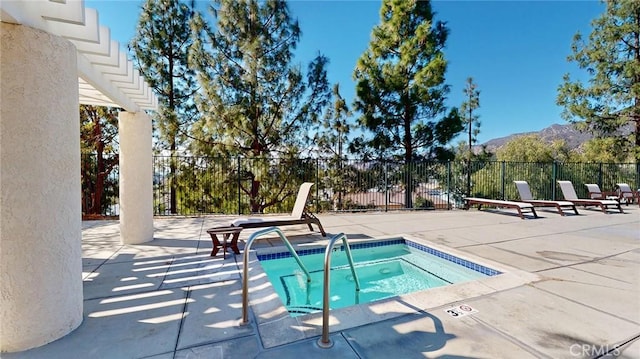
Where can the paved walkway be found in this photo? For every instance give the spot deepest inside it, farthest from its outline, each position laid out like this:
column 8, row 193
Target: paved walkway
column 169, row 299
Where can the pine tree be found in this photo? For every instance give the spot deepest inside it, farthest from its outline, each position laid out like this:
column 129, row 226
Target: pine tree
column 471, row 121
column 332, row 139
column 161, row 49
column 255, row 101
column 333, row 136
column 609, row 104
column 401, row 86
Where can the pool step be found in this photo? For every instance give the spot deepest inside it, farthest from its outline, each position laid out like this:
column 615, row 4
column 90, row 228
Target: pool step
column 303, row 309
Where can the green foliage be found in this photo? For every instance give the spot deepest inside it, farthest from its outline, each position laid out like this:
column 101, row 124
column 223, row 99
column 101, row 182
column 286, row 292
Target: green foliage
column 531, row 148
column 255, row 102
column 98, row 143
column 423, row 203
column 401, row 86
column 609, row 104
column 214, row 184
column 161, row 50
column 333, row 136
column 331, row 140
column 605, row 150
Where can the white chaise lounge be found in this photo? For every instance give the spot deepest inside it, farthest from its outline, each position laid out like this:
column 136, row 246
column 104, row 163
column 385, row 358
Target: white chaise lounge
column 626, row 194
column 570, row 195
column 299, row 215
column 521, row 207
column 525, row 196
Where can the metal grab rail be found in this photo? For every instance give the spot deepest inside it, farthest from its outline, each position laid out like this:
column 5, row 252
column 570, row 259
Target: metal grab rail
column 324, row 341
column 245, row 266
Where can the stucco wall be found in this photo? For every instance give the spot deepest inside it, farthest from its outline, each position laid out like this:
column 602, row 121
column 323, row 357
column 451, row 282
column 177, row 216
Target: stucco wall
column 40, row 213
column 136, row 178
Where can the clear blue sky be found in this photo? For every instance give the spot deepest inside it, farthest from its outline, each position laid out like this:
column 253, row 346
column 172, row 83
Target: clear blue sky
column 515, row 50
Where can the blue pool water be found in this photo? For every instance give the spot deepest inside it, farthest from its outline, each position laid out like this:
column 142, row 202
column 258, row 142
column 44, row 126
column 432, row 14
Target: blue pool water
column 384, row 268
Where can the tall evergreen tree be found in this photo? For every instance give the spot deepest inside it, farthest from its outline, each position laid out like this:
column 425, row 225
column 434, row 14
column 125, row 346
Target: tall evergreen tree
column 332, row 139
column 255, row 101
column 161, row 48
column 609, row 104
column 471, row 121
column 333, row 136
column 401, row 86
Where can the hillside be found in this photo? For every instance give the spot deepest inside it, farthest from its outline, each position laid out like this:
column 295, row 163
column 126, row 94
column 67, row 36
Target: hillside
column 568, row 133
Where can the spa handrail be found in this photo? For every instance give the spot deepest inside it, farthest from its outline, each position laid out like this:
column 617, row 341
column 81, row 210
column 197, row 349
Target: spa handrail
column 324, row 341
column 245, row 266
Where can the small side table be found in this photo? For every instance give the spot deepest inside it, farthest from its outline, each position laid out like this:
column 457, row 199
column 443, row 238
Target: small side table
column 225, row 232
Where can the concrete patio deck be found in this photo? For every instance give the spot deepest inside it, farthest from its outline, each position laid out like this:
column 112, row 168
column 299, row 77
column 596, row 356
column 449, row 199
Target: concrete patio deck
column 169, row 299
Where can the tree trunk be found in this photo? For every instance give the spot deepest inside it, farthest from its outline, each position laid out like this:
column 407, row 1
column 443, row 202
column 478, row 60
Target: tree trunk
column 172, row 182
column 408, row 158
column 254, row 204
column 96, row 203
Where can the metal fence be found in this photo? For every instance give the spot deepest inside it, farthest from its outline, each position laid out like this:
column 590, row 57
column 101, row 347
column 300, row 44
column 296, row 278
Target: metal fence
column 189, row 185
column 100, row 184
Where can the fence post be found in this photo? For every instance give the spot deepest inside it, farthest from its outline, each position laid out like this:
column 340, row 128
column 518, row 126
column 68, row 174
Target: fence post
column 239, row 207
column 449, row 185
column 637, row 178
column 554, row 178
column 600, row 175
column 317, row 185
column 386, row 186
column 341, row 185
column 502, row 178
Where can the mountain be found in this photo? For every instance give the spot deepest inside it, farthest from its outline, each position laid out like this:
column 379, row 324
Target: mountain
column 568, row 133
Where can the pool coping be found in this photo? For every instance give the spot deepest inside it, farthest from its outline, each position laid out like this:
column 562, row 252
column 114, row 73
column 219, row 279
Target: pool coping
column 276, row 327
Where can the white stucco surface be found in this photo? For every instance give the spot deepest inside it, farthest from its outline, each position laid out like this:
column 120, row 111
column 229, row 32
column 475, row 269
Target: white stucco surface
column 40, row 215
column 136, row 178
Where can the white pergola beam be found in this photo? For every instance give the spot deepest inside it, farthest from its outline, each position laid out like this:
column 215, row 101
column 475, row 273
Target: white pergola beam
column 102, row 66
column 89, row 74
column 100, row 48
column 73, row 12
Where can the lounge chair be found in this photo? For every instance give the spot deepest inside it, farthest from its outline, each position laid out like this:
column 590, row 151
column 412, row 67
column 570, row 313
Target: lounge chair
column 594, row 192
column 570, row 195
column 626, row 194
column 498, row 203
column 527, row 197
column 299, row 215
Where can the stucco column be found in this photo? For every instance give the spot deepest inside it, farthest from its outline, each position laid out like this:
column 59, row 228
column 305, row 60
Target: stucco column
column 136, row 178
column 40, row 210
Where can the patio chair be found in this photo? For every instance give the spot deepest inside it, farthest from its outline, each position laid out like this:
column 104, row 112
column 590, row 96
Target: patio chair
column 594, row 192
column 570, row 195
column 521, row 207
column 299, row 215
column 527, row 197
column 626, row 194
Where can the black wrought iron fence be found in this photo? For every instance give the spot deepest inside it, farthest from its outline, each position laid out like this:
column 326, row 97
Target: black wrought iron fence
column 228, row 185
column 100, row 179
column 189, row 185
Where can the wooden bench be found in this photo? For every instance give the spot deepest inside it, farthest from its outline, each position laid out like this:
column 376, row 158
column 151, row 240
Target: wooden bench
column 225, row 232
column 520, row 206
